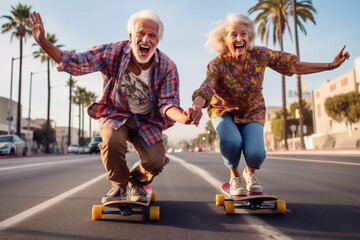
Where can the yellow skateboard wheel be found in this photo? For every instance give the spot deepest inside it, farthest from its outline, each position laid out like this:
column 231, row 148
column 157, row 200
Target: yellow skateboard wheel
column 229, row 207
column 154, row 213
column 153, row 197
column 280, row 207
column 97, row 211
column 219, row 199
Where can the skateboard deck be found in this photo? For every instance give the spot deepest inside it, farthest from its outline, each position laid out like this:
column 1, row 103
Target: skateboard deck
column 128, row 207
column 261, row 202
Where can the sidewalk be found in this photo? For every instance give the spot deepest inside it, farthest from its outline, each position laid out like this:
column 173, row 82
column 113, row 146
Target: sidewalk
column 354, row 151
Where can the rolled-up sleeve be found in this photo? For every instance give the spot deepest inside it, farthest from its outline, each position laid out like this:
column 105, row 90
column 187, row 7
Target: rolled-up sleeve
column 281, row 61
column 83, row 63
column 168, row 95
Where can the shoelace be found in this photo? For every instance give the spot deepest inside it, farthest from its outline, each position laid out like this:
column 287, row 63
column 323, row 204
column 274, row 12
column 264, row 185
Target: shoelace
column 254, row 179
column 139, row 190
column 112, row 190
column 237, row 184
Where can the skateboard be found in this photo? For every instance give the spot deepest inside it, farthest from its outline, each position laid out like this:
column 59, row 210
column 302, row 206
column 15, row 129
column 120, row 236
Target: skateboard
column 128, row 207
column 252, row 202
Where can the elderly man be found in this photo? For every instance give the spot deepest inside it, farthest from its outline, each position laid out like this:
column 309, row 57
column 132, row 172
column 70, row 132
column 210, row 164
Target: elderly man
column 140, row 99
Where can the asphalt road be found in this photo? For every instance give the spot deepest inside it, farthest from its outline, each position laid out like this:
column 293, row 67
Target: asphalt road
column 52, row 198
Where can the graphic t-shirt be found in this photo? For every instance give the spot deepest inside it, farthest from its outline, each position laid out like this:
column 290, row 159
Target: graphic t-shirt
column 136, row 90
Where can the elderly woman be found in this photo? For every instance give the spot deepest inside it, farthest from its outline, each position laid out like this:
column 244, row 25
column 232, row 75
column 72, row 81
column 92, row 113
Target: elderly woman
column 232, row 93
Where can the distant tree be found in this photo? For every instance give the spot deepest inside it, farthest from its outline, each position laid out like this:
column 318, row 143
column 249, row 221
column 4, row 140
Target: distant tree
column 277, row 126
column 344, row 108
column 79, row 99
column 40, row 53
column 71, row 83
column 165, row 139
column 307, row 117
column 40, row 135
column 90, row 98
column 17, row 23
column 210, row 132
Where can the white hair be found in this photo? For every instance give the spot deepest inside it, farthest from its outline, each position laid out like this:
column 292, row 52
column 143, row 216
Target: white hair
column 147, row 14
column 216, row 38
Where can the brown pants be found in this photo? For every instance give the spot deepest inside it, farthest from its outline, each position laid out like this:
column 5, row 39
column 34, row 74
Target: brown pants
column 113, row 151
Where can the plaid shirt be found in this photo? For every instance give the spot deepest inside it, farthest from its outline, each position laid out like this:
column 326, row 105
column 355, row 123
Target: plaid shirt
column 113, row 109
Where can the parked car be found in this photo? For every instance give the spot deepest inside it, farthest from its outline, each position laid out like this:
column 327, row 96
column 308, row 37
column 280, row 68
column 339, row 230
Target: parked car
column 12, row 145
column 83, row 150
column 73, row 148
column 93, row 145
column 198, row 149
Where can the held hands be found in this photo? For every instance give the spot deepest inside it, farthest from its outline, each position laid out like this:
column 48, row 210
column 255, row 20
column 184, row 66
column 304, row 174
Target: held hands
column 194, row 113
column 37, row 27
column 339, row 58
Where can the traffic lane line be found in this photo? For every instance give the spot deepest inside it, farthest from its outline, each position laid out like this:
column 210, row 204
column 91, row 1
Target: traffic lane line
column 260, row 226
column 42, row 206
column 312, row 160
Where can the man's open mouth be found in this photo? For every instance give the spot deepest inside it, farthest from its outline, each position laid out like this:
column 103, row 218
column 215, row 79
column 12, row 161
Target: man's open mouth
column 144, row 49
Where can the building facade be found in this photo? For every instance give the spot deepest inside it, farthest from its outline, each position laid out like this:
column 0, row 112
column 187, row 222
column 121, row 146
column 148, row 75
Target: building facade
column 329, row 133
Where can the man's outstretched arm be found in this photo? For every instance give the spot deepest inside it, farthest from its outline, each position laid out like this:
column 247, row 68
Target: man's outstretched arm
column 38, row 32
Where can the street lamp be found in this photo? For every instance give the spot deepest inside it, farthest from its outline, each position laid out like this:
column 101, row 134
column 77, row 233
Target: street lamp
column 9, row 117
column 28, row 123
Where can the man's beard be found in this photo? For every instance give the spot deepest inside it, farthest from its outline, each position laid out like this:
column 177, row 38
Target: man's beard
column 136, row 49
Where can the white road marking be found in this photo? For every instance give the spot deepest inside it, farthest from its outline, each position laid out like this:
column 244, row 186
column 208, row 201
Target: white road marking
column 42, row 206
column 312, row 160
column 265, row 230
column 18, row 167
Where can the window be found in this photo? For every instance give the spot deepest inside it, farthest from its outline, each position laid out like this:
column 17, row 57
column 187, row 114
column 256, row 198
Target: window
column 344, row 82
column 317, row 94
column 332, row 87
column 319, row 110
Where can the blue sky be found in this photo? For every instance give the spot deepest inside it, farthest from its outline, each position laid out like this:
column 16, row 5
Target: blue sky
column 82, row 24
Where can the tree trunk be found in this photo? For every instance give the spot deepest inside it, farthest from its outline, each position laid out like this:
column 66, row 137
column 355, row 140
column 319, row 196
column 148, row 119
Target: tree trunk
column 283, row 88
column 47, row 143
column 18, row 122
column 299, row 90
column 79, row 132
column 90, row 128
column 82, row 129
column 69, row 127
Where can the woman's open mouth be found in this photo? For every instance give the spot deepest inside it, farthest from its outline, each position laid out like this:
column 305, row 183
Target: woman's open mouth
column 239, row 46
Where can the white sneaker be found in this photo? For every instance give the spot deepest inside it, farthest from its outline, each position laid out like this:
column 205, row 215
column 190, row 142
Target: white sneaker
column 236, row 187
column 252, row 182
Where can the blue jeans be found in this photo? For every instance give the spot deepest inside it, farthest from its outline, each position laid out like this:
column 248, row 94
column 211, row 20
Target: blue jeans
column 236, row 138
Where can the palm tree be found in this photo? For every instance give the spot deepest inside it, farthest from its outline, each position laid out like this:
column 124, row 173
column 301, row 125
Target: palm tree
column 90, row 98
column 17, row 22
column 71, row 83
column 274, row 13
column 303, row 10
column 78, row 99
column 45, row 58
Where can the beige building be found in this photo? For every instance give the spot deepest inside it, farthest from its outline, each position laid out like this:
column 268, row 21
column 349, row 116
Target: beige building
column 7, row 109
column 268, row 136
column 329, row 133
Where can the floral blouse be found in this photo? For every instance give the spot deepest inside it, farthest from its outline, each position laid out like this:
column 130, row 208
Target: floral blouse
column 225, row 91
